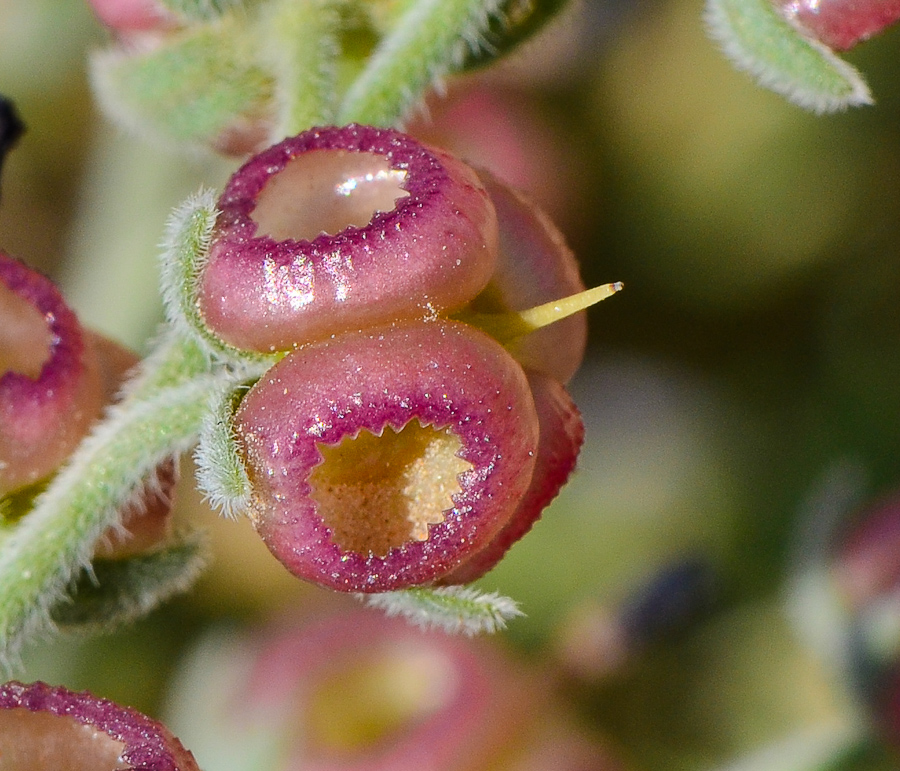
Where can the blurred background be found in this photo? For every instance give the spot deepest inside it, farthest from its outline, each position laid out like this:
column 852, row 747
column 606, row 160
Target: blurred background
column 741, row 397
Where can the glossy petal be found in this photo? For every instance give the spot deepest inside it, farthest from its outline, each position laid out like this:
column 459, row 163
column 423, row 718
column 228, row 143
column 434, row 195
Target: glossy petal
column 443, row 375
column 46, row 409
column 561, row 436
column 45, row 729
column 313, row 239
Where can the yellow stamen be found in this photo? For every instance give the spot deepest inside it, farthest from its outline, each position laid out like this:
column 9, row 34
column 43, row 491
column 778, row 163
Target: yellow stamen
column 510, row 325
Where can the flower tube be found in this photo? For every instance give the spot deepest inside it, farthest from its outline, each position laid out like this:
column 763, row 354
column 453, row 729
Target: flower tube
column 46, row 729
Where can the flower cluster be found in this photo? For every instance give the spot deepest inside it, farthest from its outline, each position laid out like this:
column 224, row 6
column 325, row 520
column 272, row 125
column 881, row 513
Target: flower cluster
column 55, row 378
column 416, row 423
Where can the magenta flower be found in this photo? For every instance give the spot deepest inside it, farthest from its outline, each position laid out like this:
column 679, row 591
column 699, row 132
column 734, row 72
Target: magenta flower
column 380, row 460
column 841, row 24
column 419, row 423
column 52, row 728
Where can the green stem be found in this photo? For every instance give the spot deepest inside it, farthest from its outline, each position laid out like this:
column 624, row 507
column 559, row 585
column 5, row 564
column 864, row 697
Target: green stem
column 429, row 40
column 302, row 47
column 160, row 418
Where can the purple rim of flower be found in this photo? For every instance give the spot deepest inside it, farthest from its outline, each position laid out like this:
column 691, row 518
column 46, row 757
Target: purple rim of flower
column 841, row 24
column 470, row 727
column 41, row 420
column 148, row 745
column 433, row 252
column 561, row 437
column 535, row 266
column 443, row 374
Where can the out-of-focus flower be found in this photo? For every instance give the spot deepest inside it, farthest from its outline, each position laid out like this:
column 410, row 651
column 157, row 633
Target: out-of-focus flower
column 867, row 562
column 360, row 691
column 46, row 728
column 600, row 640
column 418, row 424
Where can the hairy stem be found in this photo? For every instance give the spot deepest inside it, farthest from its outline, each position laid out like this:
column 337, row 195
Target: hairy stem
column 301, row 38
column 430, row 38
column 160, row 418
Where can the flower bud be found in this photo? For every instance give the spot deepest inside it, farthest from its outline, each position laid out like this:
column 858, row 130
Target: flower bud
column 44, row 728
column 343, row 228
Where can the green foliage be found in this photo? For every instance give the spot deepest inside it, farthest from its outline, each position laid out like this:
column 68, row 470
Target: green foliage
column 221, row 475
column 517, row 22
column 428, row 41
column 114, row 592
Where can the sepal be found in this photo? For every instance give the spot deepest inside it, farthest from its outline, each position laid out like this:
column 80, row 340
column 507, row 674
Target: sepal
column 221, row 475
column 760, row 41
column 452, row 609
column 115, row 592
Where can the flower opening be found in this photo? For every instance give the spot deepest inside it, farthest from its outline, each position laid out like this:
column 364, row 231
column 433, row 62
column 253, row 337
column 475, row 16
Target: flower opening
column 376, row 492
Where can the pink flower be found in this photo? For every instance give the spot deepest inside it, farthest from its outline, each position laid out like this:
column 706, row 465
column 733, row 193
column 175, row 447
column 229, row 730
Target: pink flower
column 55, row 378
column 381, row 460
column 398, row 443
column 50, row 388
